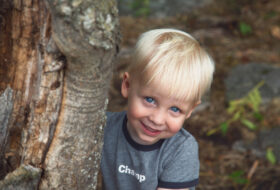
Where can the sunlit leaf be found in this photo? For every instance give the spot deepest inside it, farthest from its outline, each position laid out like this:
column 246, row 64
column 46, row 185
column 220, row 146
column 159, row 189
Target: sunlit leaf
column 243, row 108
column 232, row 106
column 255, row 99
column 235, row 105
column 212, row 131
column 270, row 156
column 236, row 116
column 251, row 96
column 248, row 124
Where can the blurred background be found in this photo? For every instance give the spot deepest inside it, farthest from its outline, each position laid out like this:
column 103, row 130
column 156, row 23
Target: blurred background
column 238, row 124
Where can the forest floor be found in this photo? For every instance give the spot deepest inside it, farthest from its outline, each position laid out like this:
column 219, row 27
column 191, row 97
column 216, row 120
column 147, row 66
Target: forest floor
column 218, row 28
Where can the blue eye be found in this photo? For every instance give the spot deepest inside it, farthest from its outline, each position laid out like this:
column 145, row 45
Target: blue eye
column 149, row 99
column 175, row 109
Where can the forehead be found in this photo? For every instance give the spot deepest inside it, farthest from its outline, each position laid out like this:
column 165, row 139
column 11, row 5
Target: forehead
column 156, row 90
column 180, row 87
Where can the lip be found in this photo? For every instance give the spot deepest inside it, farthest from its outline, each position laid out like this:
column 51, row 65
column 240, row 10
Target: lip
column 149, row 131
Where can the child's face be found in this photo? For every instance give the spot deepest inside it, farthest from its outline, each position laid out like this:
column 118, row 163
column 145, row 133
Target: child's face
column 151, row 114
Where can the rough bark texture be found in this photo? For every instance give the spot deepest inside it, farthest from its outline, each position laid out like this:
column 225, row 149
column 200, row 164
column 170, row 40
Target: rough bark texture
column 5, row 111
column 33, row 69
column 86, row 33
column 19, row 63
column 23, row 178
column 5, row 42
column 57, row 57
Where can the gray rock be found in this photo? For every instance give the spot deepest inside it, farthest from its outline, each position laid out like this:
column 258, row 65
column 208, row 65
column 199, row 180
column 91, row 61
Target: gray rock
column 268, row 138
column 162, row 8
column 271, row 138
column 243, row 78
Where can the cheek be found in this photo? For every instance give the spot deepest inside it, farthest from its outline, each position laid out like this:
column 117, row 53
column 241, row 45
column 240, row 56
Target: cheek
column 174, row 129
column 135, row 109
column 175, row 125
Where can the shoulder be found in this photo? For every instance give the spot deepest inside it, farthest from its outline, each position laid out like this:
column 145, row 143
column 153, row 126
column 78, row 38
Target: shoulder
column 113, row 128
column 181, row 149
column 115, row 117
column 114, row 122
column 188, row 139
column 182, row 139
column 180, row 161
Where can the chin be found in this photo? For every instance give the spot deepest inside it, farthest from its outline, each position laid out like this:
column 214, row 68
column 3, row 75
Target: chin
column 146, row 141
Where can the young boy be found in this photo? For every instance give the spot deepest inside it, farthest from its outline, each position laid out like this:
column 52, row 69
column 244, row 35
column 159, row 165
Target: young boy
column 146, row 147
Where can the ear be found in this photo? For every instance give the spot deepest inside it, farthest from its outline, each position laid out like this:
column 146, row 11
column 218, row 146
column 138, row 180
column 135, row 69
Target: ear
column 193, row 107
column 125, row 85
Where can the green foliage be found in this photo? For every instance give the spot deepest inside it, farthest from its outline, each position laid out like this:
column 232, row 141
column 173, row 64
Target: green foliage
column 270, row 15
column 141, row 7
column 270, row 156
column 243, row 110
column 238, row 177
column 224, row 128
column 245, row 28
column 248, row 123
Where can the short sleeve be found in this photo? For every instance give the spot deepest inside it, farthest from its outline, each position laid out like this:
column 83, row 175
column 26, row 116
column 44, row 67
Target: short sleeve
column 181, row 168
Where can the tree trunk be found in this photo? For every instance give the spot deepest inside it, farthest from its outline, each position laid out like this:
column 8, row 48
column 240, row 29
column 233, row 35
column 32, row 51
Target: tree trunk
column 56, row 62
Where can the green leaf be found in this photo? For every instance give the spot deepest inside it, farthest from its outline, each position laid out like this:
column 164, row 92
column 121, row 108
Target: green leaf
column 237, row 177
column 236, row 116
column 251, row 96
column 140, row 7
column 142, row 12
column 234, row 105
column 270, row 156
column 258, row 116
column 248, row 124
column 245, row 28
column 212, row 131
column 224, row 128
column 231, row 107
column 270, row 14
column 241, row 181
column 255, row 99
column 237, row 173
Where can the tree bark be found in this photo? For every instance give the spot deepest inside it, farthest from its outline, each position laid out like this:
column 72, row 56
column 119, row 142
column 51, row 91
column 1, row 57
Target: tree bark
column 5, row 111
column 57, row 58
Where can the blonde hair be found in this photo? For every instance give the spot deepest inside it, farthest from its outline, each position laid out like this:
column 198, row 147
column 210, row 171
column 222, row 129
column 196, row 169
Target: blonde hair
column 174, row 61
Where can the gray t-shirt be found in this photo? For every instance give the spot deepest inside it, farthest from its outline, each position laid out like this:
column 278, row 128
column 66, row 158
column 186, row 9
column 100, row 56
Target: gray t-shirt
column 170, row 163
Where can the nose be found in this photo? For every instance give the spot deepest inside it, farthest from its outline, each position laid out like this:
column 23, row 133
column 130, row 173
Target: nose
column 157, row 117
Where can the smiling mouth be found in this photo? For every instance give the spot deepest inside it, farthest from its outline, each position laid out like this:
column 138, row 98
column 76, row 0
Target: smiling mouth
column 149, row 131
